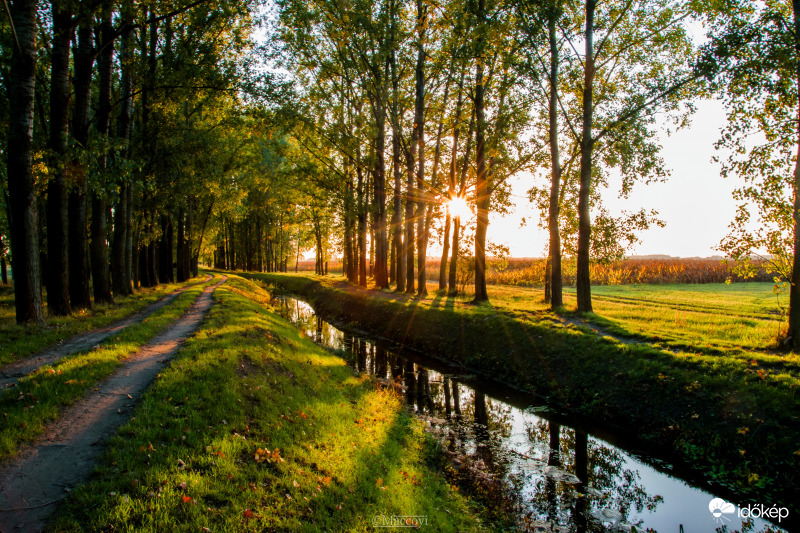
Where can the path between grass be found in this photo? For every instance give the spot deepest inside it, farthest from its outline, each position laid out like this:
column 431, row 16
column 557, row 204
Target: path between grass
column 41, row 475
column 12, row 372
column 254, row 428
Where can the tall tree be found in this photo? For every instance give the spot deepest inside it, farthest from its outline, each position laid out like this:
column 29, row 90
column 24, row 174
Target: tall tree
column 83, row 59
column 755, row 52
column 22, row 197
column 58, row 301
column 101, row 279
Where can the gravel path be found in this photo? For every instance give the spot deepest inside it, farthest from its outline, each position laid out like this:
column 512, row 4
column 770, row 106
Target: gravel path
column 38, row 478
column 10, row 373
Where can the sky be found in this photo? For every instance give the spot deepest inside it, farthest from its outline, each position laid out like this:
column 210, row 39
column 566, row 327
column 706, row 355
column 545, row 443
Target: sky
column 695, row 202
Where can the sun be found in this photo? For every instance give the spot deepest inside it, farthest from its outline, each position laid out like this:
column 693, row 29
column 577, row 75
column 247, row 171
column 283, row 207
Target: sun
column 459, row 208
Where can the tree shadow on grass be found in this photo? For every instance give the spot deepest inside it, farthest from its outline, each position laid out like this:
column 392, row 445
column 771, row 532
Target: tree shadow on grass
column 334, row 449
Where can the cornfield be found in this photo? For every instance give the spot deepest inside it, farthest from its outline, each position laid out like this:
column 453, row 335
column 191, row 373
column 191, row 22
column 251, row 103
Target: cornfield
column 531, row 272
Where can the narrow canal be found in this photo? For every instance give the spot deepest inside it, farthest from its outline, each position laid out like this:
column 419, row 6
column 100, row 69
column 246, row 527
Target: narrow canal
column 554, row 477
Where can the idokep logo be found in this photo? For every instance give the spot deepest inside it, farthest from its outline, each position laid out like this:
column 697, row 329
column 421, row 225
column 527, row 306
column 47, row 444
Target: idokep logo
column 719, row 508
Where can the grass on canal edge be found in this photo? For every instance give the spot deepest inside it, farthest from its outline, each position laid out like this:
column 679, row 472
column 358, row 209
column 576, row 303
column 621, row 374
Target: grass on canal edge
column 40, row 396
column 18, row 341
column 254, row 428
column 730, row 415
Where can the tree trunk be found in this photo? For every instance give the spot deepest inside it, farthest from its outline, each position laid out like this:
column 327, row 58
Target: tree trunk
column 22, row 196
column 409, row 215
column 80, row 290
column 381, row 271
column 452, row 287
column 583, row 283
column 362, row 228
column 554, row 261
column 57, row 274
column 419, row 128
column 451, row 185
column 481, row 178
column 165, row 250
column 794, row 291
column 101, row 282
column 400, row 260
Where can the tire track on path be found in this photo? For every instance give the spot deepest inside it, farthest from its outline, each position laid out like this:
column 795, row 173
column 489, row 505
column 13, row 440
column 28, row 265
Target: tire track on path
column 34, row 481
column 12, row 372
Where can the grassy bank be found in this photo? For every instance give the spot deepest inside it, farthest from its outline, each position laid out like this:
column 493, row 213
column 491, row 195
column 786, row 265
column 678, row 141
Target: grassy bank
column 18, row 341
column 254, row 428
column 40, row 396
column 730, row 414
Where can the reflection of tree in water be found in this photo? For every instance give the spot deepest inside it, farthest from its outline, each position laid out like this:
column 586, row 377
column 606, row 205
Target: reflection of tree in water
column 596, row 466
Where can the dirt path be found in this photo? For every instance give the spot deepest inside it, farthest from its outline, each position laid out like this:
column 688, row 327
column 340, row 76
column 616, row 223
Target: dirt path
column 10, row 373
column 34, row 481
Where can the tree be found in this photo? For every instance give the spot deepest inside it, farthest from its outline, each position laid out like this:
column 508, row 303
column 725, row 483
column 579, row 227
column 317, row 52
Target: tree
column 643, row 62
column 22, row 196
column 756, row 53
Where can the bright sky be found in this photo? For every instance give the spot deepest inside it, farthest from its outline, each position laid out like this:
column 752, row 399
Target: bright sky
column 695, row 202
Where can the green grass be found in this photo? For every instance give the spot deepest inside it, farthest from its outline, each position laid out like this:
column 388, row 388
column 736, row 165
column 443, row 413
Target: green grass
column 338, row 450
column 39, row 397
column 743, row 316
column 18, row 341
column 729, row 412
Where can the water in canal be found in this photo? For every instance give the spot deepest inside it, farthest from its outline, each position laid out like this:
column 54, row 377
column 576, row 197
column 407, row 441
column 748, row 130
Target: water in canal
column 560, row 479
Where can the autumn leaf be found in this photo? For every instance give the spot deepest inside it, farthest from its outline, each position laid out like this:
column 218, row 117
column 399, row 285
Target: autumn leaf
column 295, row 484
column 186, row 499
column 248, row 513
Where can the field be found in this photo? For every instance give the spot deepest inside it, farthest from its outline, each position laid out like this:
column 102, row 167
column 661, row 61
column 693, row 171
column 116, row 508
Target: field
column 530, row 272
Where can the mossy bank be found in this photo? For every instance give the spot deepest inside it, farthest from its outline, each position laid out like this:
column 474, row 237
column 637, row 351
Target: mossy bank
column 723, row 418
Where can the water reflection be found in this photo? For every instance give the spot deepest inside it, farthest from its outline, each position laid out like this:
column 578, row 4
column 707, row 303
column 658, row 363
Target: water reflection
column 558, row 478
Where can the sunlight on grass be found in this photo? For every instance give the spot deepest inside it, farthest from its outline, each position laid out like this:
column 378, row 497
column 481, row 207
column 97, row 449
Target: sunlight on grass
column 39, row 397
column 20, row 341
column 253, row 427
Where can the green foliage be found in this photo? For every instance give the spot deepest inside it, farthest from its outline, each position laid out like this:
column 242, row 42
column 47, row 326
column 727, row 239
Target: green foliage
column 755, row 56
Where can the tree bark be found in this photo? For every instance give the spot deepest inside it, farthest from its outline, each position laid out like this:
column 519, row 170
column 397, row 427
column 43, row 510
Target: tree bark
column 101, row 282
column 583, row 283
column 452, row 287
column 556, row 298
column 22, row 196
column 122, row 242
column 80, row 290
column 397, row 215
column 381, row 272
column 451, row 185
column 794, row 291
column 57, row 275
column 419, row 128
column 362, row 226
column 481, row 178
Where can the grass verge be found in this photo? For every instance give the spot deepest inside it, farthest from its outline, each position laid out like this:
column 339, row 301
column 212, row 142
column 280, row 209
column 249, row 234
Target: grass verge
column 40, row 396
column 729, row 418
column 255, row 428
column 20, row 341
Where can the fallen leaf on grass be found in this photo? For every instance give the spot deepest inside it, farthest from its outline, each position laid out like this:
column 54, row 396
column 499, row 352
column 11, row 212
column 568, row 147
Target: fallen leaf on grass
column 186, row 499
column 248, row 513
column 295, row 484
